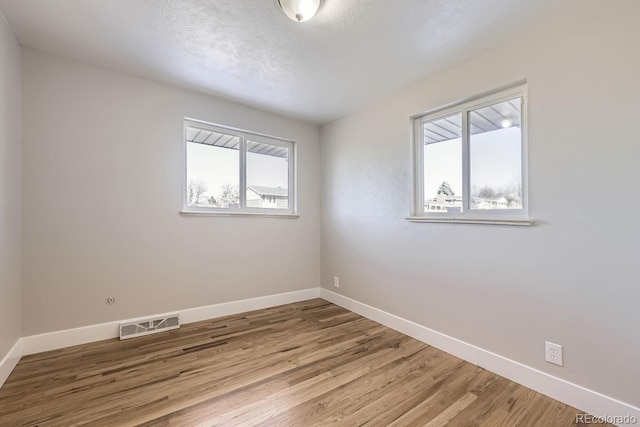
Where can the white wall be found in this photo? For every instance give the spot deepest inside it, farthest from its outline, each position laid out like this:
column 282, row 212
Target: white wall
column 102, row 191
column 9, row 188
column 571, row 279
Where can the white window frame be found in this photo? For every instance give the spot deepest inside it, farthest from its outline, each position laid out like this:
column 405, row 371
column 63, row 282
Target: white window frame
column 242, row 210
column 463, row 107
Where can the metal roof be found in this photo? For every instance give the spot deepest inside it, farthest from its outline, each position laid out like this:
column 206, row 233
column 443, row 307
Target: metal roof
column 217, row 139
column 492, row 117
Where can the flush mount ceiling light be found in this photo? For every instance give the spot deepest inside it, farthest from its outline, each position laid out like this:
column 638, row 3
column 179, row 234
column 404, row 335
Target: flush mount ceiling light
column 506, row 123
column 299, row 10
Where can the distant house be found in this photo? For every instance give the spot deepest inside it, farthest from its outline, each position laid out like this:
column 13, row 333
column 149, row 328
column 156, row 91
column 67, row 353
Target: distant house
column 487, row 203
column 259, row 196
column 443, row 203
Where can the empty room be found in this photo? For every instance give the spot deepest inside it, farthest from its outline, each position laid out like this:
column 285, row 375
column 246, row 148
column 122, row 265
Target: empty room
column 319, row 212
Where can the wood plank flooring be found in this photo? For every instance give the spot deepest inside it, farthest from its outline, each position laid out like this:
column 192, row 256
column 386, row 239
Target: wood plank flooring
column 305, row 364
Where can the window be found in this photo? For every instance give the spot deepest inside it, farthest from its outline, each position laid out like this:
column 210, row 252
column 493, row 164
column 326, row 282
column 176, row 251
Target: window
column 231, row 171
column 470, row 161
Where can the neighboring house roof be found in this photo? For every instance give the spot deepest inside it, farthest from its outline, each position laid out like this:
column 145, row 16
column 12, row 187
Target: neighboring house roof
column 446, row 197
column 487, row 199
column 269, row 191
column 490, row 200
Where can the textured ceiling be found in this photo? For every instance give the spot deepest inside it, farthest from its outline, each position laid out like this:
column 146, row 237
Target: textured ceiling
column 352, row 53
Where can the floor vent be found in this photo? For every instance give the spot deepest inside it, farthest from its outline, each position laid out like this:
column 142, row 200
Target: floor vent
column 150, row 326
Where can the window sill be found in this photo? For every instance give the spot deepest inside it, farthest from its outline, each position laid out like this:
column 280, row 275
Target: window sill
column 488, row 221
column 239, row 214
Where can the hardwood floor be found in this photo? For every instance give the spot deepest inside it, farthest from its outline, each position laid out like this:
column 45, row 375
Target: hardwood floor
column 305, row 364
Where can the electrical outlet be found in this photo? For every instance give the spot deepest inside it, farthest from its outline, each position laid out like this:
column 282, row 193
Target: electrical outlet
column 553, row 353
column 110, row 301
column 336, row 282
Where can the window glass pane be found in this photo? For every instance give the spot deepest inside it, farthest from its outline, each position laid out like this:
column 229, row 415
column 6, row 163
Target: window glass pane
column 267, row 176
column 213, row 169
column 443, row 164
column 495, row 156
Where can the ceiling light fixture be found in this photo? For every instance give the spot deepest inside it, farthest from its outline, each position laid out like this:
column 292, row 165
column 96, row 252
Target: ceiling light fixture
column 299, row 10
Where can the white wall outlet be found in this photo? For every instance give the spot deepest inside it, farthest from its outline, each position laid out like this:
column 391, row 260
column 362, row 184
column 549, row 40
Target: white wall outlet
column 110, row 301
column 336, row 282
column 553, row 353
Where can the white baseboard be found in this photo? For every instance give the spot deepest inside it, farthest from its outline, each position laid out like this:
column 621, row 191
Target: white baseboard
column 575, row 395
column 86, row 334
column 9, row 361
column 586, row 400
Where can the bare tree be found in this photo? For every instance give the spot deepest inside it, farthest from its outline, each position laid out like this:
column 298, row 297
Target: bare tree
column 196, row 190
column 487, row 192
column 230, row 195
